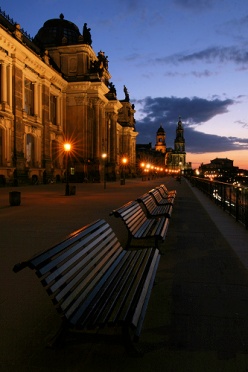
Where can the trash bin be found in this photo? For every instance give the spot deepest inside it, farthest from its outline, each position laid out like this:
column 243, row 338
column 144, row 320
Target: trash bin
column 14, row 198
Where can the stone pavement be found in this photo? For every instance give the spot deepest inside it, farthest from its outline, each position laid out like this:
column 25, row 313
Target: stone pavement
column 197, row 318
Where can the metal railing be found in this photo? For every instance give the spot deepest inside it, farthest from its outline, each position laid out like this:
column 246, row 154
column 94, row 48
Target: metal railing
column 231, row 198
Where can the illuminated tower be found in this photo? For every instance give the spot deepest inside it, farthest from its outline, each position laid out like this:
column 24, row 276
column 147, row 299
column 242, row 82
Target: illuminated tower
column 160, row 140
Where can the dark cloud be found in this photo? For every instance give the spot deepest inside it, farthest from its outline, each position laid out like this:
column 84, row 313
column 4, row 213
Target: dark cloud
column 197, row 74
column 208, row 55
column 195, row 111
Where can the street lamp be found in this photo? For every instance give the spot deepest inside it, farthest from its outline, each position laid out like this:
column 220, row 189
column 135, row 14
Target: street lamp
column 124, row 162
column 104, row 157
column 67, row 149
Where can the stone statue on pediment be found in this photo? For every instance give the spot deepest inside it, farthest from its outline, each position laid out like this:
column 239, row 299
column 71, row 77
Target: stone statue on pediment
column 17, row 32
column 87, row 35
column 127, row 98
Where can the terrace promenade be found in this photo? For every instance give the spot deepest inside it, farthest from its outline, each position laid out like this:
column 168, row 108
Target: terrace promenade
column 197, row 317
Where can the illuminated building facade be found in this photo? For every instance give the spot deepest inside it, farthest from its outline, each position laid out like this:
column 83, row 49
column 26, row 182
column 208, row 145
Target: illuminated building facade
column 55, row 88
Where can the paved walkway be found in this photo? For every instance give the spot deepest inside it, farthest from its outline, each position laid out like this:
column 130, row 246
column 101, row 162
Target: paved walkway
column 197, row 318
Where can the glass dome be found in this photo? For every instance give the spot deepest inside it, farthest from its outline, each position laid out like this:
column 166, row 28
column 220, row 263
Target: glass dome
column 56, row 32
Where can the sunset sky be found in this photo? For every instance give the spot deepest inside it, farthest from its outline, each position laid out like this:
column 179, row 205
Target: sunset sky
column 185, row 58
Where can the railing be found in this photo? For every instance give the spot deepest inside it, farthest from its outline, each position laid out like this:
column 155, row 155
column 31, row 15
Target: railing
column 231, row 198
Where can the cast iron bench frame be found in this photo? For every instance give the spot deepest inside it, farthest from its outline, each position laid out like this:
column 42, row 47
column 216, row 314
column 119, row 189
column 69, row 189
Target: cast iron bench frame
column 93, row 282
column 159, row 200
column 152, row 209
column 165, row 192
column 139, row 226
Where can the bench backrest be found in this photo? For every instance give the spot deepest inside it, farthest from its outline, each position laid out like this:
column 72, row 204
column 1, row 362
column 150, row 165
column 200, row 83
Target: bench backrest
column 167, row 193
column 71, row 270
column 148, row 202
column 156, row 194
column 132, row 214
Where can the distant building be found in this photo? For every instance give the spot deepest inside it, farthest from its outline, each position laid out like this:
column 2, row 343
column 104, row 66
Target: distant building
column 219, row 168
column 172, row 160
column 55, row 88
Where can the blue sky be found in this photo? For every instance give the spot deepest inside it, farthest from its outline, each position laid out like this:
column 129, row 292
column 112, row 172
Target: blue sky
column 185, row 58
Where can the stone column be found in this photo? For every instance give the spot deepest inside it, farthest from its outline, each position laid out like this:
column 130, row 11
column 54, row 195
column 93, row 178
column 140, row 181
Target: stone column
column 58, row 105
column 4, row 82
column 36, row 106
column 9, row 83
column 96, row 131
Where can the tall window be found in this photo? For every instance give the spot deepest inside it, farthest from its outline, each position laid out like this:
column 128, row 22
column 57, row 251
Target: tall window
column 30, row 150
column 29, row 97
column 53, row 106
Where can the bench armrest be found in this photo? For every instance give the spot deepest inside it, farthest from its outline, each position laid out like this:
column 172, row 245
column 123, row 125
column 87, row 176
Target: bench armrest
column 18, row 267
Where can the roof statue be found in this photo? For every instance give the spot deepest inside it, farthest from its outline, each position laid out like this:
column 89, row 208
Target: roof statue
column 126, row 93
column 87, row 35
column 112, row 88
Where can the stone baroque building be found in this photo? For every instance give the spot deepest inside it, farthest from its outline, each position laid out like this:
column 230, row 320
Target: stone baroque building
column 55, row 88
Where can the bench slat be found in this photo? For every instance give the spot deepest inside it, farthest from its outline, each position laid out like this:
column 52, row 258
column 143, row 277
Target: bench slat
column 139, row 314
column 77, row 235
column 135, row 282
column 103, row 292
column 119, row 295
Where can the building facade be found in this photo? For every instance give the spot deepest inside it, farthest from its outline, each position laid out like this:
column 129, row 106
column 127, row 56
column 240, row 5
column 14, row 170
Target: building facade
column 56, row 89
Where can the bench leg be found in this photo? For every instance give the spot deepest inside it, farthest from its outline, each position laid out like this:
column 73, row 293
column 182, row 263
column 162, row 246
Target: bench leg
column 130, row 342
column 58, row 339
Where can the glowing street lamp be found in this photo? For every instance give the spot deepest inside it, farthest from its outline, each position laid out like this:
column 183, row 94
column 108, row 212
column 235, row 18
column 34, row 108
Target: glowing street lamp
column 104, row 157
column 67, row 149
column 124, row 162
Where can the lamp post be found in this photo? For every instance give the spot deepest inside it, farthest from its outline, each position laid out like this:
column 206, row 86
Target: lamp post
column 104, row 157
column 124, row 162
column 67, row 149
column 142, row 165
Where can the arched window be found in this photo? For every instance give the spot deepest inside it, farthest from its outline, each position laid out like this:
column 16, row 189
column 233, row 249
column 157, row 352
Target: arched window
column 30, row 150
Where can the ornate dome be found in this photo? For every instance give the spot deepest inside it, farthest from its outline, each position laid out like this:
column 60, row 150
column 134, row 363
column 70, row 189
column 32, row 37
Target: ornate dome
column 161, row 130
column 57, row 31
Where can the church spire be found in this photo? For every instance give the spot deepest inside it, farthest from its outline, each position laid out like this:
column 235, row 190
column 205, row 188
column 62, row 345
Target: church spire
column 179, row 143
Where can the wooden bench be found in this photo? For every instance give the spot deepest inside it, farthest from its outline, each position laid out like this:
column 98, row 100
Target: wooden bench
column 94, row 282
column 159, row 200
column 152, row 209
column 165, row 192
column 139, row 226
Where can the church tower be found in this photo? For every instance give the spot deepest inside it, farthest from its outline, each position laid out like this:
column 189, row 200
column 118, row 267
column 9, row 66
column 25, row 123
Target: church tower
column 160, row 140
column 179, row 143
column 176, row 158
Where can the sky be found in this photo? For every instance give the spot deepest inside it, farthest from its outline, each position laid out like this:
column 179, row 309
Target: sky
column 177, row 58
